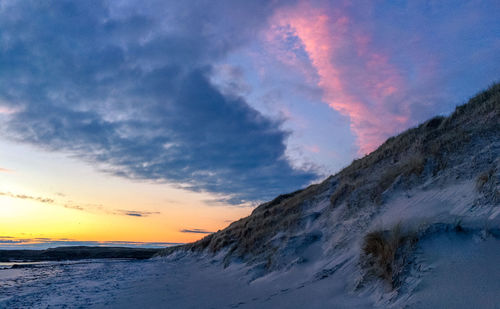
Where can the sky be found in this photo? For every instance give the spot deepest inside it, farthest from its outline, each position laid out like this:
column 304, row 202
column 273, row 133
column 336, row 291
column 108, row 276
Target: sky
column 152, row 123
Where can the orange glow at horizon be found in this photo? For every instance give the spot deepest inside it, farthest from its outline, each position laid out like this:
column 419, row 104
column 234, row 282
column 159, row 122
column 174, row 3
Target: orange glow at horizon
column 44, row 202
column 21, row 219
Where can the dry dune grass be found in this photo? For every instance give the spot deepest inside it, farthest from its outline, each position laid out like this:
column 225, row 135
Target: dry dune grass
column 253, row 234
column 385, row 252
column 484, row 178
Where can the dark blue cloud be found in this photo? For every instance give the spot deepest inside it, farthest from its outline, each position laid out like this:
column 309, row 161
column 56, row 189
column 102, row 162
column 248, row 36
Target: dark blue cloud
column 138, row 213
column 128, row 88
column 195, row 231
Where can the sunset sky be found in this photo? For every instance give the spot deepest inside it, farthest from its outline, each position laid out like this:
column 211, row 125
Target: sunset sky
column 155, row 122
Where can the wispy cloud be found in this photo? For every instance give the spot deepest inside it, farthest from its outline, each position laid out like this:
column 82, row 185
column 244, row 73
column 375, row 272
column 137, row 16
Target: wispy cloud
column 137, row 213
column 80, row 206
column 5, row 110
column 39, row 199
column 4, row 170
column 195, row 231
column 357, row 81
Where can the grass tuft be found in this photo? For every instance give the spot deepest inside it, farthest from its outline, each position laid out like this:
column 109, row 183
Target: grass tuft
column 385, row 253
column 483, row 179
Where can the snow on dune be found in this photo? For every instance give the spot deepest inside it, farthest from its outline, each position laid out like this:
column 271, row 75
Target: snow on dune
column 462, row 272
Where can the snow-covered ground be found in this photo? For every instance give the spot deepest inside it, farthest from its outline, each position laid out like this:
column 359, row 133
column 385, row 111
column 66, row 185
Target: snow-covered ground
column 462, row 271
column 458, row 271
column 186, row 283
column 62, row 284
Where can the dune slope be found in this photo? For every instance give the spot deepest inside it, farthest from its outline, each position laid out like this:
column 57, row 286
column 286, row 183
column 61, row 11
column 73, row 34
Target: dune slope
column 374, row 223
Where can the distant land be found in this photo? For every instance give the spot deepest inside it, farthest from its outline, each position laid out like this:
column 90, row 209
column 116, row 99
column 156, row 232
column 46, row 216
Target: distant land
column 76, row 253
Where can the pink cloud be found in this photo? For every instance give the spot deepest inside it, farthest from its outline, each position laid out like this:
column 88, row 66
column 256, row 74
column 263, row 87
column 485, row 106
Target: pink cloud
column 313, row 148
column 357, row 79
column 7, row 110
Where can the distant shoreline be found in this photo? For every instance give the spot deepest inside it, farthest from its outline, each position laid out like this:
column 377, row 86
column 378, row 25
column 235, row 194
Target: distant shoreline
column 76, row 253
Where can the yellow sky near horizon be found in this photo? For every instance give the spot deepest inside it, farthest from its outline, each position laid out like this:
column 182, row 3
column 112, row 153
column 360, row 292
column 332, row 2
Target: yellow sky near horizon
column 49, row 195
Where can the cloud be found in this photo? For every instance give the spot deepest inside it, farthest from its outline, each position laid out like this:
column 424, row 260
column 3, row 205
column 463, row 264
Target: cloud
column 39, row 199
column 10, row 241
column 195, row 231
column 4, row 170
column 386, row 65
column 51, row 201
column 357, row 81
column 129, row 89
column 80, row 207
column 133, row 214
column 137, row 213
column 6, row 110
